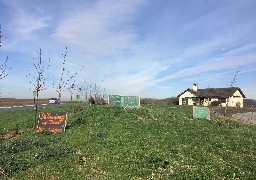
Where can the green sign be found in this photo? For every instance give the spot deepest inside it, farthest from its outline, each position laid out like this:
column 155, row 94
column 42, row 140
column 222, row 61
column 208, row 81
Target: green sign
column 115, row 100
column 201, row 112
column 35, row 93
column 131, row 101
column 124, row 101
column 78, row 97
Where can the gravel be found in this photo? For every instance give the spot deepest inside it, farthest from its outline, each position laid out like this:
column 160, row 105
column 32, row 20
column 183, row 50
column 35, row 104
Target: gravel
column 248, row 116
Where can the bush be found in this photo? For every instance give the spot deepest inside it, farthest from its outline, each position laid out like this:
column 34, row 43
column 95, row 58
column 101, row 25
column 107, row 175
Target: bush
column 215, row 103
column 91, row 100
column 97, row 100
column 238, row 104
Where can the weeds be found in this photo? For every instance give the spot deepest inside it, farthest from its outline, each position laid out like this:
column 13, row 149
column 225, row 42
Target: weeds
column 19, row 155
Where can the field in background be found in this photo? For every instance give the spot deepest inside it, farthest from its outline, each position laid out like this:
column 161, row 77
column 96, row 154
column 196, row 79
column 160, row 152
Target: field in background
column 154, row 142
column 9, row 101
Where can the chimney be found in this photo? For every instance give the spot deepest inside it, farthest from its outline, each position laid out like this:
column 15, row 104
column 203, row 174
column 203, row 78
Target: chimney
column 195, row 87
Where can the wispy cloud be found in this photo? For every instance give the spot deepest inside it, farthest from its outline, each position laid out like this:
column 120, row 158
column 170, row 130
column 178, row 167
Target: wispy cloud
column 135, row 82
column 27, row 25
column 212, row 65
column 27, row 20
column 101, row 29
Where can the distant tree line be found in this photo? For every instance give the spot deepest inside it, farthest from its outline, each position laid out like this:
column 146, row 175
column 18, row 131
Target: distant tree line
column 249, row 103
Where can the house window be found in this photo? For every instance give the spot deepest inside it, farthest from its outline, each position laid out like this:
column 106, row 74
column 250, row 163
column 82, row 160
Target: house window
column 222, row 100
column 236, row 96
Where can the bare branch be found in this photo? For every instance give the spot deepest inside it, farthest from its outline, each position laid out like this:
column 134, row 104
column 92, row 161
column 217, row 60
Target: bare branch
column 38, row 81
column 67, row 81
column 1, row 37
column 234, row 80
column 4, row 69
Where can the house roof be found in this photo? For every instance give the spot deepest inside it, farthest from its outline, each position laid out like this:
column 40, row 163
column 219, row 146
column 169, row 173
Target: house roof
column 214, row 92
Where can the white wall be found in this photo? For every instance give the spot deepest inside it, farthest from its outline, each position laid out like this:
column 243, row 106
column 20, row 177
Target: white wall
column 235, row 99
column 186, row 94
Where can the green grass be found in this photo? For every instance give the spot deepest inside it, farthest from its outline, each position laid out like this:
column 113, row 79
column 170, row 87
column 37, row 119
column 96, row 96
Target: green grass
column 154, row 142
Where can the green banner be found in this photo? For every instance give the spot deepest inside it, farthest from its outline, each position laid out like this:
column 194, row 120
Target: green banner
column 115, row 100
column 124, row 101
column 201, row 112
column 131, row 102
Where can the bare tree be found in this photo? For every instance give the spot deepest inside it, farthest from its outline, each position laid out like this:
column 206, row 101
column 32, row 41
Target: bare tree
column 83, row 90
column 3, row 66
column 234, row 80
column 72, row 86
column 38, row 81
column 4, row 69
column 93, row 93
column 67, row 81
column 1, row 37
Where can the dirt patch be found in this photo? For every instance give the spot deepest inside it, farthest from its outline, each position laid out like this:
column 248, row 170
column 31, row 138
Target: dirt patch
column 247, row 117
column 14, row 134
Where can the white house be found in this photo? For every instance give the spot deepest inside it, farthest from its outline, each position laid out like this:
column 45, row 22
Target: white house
column 231, row 96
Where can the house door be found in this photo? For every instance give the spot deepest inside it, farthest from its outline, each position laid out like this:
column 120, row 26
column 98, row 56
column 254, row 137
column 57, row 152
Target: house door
column 184, row 101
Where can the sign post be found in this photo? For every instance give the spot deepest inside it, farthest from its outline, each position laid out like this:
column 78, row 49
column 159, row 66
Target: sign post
column 35, row 94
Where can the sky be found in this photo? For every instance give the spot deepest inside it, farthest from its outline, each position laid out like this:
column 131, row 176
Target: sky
column 146, row 48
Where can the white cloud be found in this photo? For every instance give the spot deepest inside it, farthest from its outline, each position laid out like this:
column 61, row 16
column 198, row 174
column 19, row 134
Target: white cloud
column 135, row 82
column 213, row 65
column 26, row 19
column 100, row 29
column 26, row 26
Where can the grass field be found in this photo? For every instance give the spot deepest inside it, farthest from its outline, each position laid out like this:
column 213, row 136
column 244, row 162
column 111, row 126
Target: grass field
column 154, row 142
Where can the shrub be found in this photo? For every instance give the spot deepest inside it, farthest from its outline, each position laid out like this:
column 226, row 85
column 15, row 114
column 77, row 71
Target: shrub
column 96, row 100
column 238, row 104
column 215, row 103
column 91, row 100
column 99, row 100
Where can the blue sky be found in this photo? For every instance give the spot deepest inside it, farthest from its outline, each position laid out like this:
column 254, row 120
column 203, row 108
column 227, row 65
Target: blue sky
column 149, row 48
